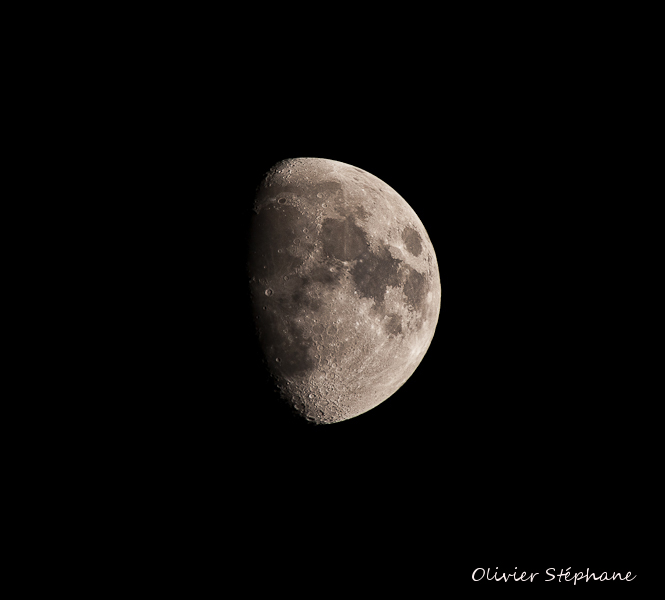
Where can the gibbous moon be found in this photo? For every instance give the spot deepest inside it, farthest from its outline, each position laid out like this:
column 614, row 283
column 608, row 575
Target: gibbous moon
column 344, row 285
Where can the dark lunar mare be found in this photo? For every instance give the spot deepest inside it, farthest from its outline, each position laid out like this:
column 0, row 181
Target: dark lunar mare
column 374, row 271
column 343, row 240
column 412, row 241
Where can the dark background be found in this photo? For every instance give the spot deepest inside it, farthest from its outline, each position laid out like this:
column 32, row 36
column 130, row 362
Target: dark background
column 522, row 430
column 527, row 437
column 522, row 422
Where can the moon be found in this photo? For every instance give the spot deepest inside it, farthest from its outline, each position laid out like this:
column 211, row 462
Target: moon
column 344, row 286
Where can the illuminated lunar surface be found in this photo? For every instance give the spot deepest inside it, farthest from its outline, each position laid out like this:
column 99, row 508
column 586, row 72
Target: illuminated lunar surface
column 344, row 285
